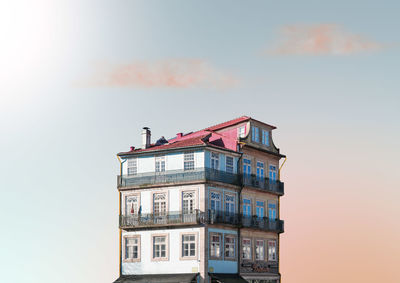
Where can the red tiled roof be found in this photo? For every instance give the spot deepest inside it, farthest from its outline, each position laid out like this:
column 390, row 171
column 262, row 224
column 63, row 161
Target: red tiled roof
column 199, row 140
column 228, row 123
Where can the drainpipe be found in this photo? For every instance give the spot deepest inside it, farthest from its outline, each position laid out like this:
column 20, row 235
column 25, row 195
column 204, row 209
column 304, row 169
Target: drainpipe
column 279, row 210
column 239, row 166
column 119, row 213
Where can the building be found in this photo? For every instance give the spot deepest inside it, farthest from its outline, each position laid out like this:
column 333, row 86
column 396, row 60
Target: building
column 202, row 206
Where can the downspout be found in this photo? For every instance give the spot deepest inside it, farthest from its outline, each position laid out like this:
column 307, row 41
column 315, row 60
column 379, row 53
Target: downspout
column 239, row 166
column 279, row 210
column 119, row 213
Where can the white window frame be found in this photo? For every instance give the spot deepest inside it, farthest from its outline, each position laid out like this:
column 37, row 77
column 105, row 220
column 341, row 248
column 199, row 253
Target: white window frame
column 229, row 168
column 131, row 167
column 216, row 201
column 188, row 161
column 214, row 160
column 242, row 131
column 229, row 202
column 128, row 204
column 216, row 246
column 160, row 163
column 259, row 250
column 193, row 242
column 153, row 247
column 126, row 248
column 246, row 248
column 229, row 247
column 272, row 255
column 161, row 209
column 188, row 196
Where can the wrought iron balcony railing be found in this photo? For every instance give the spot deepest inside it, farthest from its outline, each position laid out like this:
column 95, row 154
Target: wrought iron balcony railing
column 174, row 218
column 177, row 176
column 263, row 184
column 262, row 223
column 161, row 219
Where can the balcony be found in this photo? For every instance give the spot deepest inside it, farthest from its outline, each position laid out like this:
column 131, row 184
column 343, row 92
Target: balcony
column 264, row 184
column 178, row 176
column 264, row 223
column 178, row 218
column 162, row 219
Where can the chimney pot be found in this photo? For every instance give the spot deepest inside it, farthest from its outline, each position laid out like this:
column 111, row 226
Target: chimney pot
column 179, row 135
column 146, row 137
column 132, row 148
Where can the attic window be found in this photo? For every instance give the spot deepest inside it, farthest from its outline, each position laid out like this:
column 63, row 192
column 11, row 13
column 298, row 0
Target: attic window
column 242, row 132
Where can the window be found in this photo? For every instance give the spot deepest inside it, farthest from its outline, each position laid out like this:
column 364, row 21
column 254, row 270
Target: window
column 229, row 204
column 159, row 203
column 246, row 248
column 132, row 166
column 246, row 166
column 255, row 135
column 215, row 201
column 132, row 248
column 260, row 170
column 230, row 246
column 214, row 160
column 160, row 247
column 242, row 132
column 229, row 164
column 260, row 209
column 272, row 250
column 272, row 173
column 188, row 202
column 215, row 246
column 265, row 137
column 188, row 163
column 259, row 253
column 246, row 207
column 188, row 246
column 160, row 164
column 131, row 205
column 272, row 211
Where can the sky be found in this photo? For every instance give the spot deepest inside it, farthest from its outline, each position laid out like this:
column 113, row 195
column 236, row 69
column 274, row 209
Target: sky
column 79, row 79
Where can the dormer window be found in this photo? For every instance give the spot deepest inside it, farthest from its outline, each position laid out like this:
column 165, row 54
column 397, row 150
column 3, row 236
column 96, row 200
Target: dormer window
column 242, row 132
column 255, row 134
column 265, row 137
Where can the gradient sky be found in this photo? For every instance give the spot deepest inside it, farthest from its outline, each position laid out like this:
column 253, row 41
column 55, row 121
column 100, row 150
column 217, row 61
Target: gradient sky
column 79, row 79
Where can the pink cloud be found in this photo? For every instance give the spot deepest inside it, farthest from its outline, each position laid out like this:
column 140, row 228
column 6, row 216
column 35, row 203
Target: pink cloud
column 173, row 73
column 322, row 39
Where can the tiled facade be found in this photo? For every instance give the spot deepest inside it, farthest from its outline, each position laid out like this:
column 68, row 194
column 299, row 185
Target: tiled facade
column 203, row 205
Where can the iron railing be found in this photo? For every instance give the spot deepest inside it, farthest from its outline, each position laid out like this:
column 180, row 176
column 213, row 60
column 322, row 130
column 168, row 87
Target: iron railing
column 266, row 184
column 263, row 223
column 177, row 176
column 197, row 217
column 161, row 219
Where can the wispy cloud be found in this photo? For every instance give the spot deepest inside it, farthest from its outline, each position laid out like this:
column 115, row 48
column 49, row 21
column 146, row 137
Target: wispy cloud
column 171, row 73
column 322, row 39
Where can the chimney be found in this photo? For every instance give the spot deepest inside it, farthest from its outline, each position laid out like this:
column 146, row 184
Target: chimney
column 179, row 135
column 146, row 137
column 132, row 148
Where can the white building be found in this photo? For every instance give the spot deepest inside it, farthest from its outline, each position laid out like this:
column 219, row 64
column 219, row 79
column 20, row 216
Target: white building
column 202, row 207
